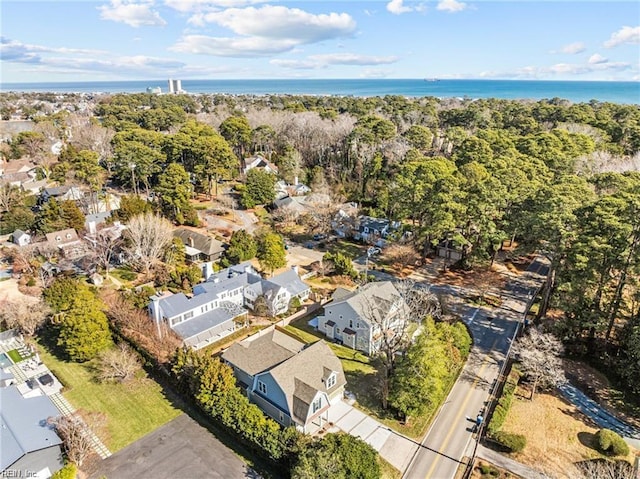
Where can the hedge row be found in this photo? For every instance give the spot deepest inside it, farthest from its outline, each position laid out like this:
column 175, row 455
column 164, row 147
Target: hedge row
column 504, row 403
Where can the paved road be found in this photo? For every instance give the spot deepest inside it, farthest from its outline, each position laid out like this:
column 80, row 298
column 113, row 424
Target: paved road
column 451, row 433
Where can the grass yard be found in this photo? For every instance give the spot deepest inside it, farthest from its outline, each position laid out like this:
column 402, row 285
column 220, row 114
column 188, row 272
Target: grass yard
column 559, row 438
column 387, row 470
column 234, row 337
column 133, row 409
column 16, row 357
column 361, row 374
column 350, row 249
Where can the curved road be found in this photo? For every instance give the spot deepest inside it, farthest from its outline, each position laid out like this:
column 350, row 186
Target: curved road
column 449, row 439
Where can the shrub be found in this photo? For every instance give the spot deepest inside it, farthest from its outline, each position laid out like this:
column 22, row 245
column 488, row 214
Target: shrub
column 67, row 472
column 513, row 442
column 31, row 282
column 611, row 443
column 504, row 403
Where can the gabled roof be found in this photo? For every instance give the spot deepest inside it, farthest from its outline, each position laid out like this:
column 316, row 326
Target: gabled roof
column 304, row 375
column 23, row 427
column 204, row 243
column 371, row 299
column 289, row 280
column 263, row 353
column 66, row 236
column 373, row 223
column 17, row 234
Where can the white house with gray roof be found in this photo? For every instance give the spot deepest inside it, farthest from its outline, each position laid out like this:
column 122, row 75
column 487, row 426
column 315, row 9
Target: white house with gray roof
column 294, row 383
column 217, row 306
column 27, row 442
column 359, row 318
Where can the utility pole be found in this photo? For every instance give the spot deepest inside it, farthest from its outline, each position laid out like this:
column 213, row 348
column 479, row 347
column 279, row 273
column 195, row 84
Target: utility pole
column 370, row 252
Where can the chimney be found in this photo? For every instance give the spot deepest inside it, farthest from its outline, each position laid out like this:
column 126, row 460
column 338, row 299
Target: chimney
column 191, row 242
column 295, row 180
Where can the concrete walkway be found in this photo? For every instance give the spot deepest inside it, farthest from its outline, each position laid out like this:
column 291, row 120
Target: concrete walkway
column 510, row 465
column 396, row 449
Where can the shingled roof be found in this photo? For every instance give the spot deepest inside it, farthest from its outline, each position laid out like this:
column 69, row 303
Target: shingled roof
column 263, row 353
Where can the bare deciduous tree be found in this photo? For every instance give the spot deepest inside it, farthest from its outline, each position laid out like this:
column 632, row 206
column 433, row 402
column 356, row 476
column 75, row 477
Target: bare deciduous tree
column 104, row 245
column 539, row 355
column 148, row 236
column 390, row 314
column 401, row 255
column 75, row 431
column 118, row 364
column 25, row 316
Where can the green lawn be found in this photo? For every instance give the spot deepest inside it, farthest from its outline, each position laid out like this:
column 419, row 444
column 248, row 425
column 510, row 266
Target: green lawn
column 16, row 357
column 133, row 409
column 350, row 249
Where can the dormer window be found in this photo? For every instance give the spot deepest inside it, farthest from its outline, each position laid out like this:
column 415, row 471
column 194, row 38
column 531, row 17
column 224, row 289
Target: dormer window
column 68, row 235
column 331, row 381
column 58, row 238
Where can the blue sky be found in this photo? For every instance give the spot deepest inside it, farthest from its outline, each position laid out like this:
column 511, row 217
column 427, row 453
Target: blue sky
column 86, row 40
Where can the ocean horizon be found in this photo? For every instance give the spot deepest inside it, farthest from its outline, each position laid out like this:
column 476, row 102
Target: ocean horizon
column 624, row 92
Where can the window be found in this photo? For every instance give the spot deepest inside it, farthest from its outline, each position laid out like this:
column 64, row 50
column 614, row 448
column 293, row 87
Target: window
column 351, row 323
column 58, row 238
column 331, row 381
column 68, row 235
column 262, row 387
column 317, row 404
column 281, row 417
column 188, row 315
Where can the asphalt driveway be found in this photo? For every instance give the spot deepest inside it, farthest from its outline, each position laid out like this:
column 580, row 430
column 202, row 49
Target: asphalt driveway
column 180, row 448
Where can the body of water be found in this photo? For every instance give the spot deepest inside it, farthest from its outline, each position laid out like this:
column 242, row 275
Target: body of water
column 575, row 91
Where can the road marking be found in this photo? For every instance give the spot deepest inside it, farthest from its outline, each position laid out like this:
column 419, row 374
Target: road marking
column 454, row 426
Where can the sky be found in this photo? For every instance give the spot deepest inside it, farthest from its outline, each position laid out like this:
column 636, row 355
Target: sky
column 111, row 40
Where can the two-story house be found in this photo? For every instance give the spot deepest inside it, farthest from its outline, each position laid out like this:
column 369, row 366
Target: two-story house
column 360, row 318
column 217, row 306
column 293, row 383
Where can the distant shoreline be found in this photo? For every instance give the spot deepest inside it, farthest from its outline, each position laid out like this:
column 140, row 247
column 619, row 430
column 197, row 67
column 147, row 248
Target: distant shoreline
column 627, row 92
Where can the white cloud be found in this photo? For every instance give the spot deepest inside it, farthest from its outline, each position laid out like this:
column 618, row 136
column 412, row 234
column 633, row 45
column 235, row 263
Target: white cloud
column 232, row 47
column 325, row 60
column 264, row 31
column 397, row 7
column 297, row 64
column 15, row 51
column 573, row 48
column 281, row 22
column 352, row 59
column 451, row 6
column 624, row 35
column 561, row 70
column 132, row 13
column 596, row 58
column 186, row 6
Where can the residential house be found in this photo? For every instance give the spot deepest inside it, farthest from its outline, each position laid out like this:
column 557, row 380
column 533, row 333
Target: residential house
column 297, row 189
column 261, row 162
column 62, row 193
column 202, row 318
column 278, row 291
column 372, row 229
column 28, row 442
column 21, row 238
column 359, row 319
column 293, row 383
column 217, row 306
column 199, row 246
column 68, row 242
column 453, row 249
column 299, row 205
column 345, row 221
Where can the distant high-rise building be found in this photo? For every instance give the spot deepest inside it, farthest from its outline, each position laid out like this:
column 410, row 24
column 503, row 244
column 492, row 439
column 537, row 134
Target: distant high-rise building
column 175, row 86
column 154, row 89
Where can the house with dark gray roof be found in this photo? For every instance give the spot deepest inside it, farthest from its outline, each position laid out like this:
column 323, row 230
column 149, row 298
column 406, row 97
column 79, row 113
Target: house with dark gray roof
column 293, row 383
column 27, row 442
column 199, row 246
column 21, row 238
column 359, row 319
